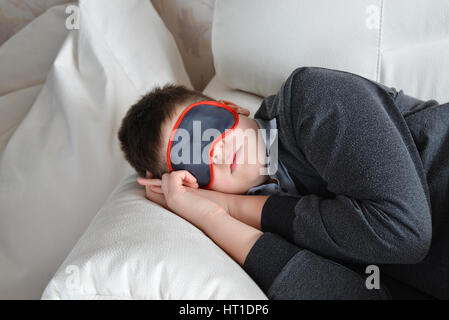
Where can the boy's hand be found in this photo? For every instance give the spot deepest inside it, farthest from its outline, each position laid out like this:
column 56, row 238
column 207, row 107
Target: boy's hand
column 178, row 191
column 152, row 190
column 247, row 209
column 185, row 200
column 237, row 108
column 233, row 236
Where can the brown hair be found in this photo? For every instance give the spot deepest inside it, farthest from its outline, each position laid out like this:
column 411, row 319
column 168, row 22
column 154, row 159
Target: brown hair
column 140, row 133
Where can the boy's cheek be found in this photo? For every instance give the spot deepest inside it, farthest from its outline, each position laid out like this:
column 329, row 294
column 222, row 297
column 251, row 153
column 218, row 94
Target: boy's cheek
column 221, row 182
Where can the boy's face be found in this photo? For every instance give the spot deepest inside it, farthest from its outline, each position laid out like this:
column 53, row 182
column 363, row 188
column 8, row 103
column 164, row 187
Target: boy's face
column 238, row 158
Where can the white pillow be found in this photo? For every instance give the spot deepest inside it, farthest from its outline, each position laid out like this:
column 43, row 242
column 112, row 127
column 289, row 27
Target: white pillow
column 256, row 44
column 64, row 159
column 135, row 249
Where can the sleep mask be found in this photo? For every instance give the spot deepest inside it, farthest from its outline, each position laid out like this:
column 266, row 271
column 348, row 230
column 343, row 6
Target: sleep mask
column 194, row 136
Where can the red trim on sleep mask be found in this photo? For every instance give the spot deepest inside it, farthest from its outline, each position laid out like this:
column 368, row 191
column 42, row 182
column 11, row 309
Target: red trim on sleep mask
column 178, row 122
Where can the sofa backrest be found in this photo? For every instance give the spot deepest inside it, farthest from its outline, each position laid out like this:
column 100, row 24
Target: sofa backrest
column 401, row 43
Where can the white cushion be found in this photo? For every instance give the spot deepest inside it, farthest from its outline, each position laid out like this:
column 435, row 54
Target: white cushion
column 420, row 70
column 257, row 43
column 218, row 90
column 134, row 249
column 64, row 159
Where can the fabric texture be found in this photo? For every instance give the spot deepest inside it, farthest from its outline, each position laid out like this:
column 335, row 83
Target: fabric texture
column 134, row 249
column 377, row 39
column 290, row 273
column 64, row 158
column 277, row 170
column 23, row 72
column 379, row 195
column 190, row 23
column 15, row 14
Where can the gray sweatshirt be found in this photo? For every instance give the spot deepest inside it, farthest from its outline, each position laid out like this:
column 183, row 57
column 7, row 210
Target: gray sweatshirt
column 372, row 169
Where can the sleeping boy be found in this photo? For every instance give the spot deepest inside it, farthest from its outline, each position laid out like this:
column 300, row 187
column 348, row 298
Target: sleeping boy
column 335, row 172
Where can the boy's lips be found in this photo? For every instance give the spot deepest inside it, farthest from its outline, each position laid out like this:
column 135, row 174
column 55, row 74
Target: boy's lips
column 233, row 165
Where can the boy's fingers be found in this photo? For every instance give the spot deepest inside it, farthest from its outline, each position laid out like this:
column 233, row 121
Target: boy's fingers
column 156, row 197
column 227, row 102
column 141, row 181
column 243, row 111
column 156, row 189
column 238, row 108
column 154, row 182
column 192, row 185
column 178, row 179
column 149, row 182
column 164, row 180
column 188, row 177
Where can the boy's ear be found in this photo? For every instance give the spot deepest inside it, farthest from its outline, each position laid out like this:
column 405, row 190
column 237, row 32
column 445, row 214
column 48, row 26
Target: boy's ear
column 237, row 108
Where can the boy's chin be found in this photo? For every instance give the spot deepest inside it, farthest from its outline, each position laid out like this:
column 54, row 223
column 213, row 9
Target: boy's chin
column 231, row 189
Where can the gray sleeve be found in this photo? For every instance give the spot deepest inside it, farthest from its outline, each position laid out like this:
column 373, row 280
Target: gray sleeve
column 350, row 131
column 285, row 272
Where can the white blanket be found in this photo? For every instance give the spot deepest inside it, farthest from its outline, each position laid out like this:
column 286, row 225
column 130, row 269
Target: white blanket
column 63, row 160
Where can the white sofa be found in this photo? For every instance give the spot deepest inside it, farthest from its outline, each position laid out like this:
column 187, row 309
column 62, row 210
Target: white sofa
column 255, row 45
column 400, row 43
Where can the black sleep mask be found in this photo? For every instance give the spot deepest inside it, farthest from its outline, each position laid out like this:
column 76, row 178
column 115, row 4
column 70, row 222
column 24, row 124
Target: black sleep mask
column 197, row 130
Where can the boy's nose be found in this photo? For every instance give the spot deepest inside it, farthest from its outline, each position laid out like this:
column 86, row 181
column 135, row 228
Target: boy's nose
column 220, row 154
